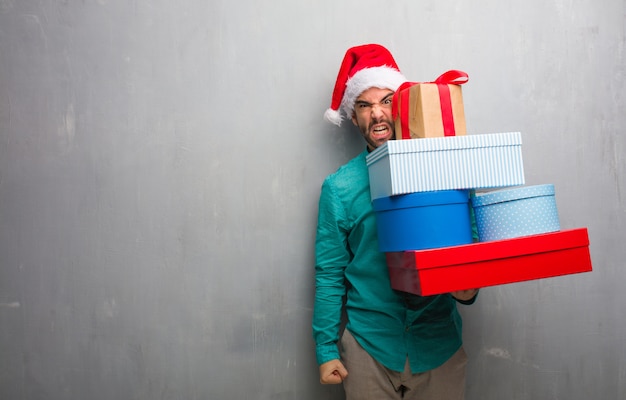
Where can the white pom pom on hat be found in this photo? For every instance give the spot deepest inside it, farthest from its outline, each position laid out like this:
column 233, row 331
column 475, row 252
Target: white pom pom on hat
column 363, row 67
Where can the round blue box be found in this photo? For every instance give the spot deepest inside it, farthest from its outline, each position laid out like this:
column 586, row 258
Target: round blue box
column 423, row 220
column 510, row 213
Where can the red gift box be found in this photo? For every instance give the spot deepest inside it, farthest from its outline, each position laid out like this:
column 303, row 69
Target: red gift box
column 477, row 265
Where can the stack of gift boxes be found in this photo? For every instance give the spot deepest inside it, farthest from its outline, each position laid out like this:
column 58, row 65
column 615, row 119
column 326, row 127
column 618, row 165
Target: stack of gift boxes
column 452, row 210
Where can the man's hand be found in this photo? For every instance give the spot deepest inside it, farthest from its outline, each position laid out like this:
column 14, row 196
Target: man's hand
column 332, row 372
column 464, row 295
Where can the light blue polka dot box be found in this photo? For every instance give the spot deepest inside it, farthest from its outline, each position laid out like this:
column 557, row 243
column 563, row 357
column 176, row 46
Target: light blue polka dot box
column 511, row 213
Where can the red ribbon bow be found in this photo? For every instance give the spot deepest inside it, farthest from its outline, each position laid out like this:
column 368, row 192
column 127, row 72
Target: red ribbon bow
column 452, row 77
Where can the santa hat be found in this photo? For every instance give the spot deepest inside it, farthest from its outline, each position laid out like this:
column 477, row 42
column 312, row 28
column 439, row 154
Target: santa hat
column 363, row 67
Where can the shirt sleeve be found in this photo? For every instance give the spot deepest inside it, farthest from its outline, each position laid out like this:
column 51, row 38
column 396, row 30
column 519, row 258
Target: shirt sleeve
column 473, row 217
column 332, row 256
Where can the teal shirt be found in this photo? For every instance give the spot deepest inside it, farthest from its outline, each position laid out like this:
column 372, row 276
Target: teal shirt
column 349, row 265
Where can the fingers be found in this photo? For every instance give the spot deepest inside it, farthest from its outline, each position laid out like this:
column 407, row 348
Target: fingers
column 342, row 372
column 465, row 295
column 333, row 379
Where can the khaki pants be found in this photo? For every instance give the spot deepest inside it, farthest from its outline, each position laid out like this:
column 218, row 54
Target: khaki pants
column 369, row 380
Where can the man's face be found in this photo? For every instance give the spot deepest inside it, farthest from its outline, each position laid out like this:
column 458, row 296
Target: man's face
column 372, row 115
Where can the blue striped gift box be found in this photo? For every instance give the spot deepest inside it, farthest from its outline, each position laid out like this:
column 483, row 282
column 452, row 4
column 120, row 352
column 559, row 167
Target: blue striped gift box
column 484, row 161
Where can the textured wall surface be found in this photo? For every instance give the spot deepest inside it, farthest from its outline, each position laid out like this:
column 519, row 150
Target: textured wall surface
column 160, row 165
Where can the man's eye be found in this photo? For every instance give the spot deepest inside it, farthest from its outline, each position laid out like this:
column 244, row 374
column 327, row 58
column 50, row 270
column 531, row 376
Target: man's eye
column 387, row 101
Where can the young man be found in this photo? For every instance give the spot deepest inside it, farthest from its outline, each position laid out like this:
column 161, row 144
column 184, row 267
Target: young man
column 394, row 346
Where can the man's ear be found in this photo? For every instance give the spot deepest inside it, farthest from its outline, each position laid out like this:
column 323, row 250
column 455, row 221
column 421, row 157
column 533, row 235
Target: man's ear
column 354, row 121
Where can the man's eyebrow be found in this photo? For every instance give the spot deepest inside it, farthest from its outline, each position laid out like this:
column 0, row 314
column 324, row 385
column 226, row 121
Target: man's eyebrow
column 389, row 95
column 367, row 102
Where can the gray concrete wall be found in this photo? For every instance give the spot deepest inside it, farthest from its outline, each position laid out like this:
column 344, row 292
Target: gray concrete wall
column 160, row 164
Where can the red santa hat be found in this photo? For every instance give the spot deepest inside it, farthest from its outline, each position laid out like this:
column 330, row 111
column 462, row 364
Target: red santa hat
column 363, row 67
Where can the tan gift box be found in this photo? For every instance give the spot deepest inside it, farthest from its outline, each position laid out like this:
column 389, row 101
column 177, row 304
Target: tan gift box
column 432, row 109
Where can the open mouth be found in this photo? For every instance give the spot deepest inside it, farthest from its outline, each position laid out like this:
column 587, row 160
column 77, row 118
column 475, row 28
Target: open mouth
column 380, row 130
